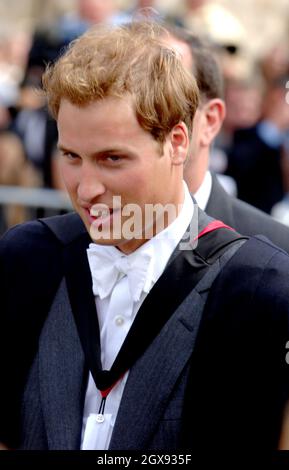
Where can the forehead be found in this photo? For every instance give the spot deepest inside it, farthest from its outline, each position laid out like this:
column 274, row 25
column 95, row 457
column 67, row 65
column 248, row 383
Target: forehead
column 105, row 113
column 110, row 121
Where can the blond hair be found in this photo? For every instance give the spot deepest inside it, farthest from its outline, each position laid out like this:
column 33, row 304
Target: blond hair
column 129, row 59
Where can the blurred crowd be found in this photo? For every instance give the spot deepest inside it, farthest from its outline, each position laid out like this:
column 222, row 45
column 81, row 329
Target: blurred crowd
column 253, row 146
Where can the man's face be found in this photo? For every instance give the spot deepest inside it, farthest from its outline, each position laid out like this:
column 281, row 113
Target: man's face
column 106, row 153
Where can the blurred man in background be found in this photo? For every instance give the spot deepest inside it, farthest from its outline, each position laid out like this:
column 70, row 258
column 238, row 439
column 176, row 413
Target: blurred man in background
column 207, row 190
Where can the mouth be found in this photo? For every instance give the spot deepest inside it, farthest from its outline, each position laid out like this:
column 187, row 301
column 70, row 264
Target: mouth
column 100, row 215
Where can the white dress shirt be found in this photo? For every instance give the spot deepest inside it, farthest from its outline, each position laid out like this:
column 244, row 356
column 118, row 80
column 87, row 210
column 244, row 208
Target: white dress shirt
column 204, row 191
column 116, row 313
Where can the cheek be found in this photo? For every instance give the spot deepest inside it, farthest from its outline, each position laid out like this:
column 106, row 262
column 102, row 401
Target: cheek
column 137, row 188
column 130, row 182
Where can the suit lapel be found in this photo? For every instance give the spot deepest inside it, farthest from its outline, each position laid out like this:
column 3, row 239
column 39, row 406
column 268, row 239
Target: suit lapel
column 161, row 366
column 79, row 285
column 62, row 375
column 64, row 371
column 65, row 376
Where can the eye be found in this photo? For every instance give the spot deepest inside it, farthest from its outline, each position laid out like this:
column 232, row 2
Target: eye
column 69, row 155
column 113, row 158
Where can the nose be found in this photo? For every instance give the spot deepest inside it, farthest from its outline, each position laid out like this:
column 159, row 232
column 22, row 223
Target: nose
column 90, row 184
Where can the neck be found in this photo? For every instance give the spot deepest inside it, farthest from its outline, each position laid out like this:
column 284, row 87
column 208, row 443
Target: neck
column 194, row 172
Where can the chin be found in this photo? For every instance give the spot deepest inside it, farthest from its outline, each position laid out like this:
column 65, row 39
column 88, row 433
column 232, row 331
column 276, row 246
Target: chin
column 105, row 241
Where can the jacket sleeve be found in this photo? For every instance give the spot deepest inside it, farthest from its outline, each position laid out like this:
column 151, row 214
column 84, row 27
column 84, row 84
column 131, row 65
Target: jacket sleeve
column 30, row 271
column 240, row 378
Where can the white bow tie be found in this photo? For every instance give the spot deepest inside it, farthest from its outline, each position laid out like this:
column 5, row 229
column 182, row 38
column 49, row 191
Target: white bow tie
column 107, row 266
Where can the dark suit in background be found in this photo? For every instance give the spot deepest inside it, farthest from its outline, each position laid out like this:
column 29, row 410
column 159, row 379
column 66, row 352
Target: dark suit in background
column 244, row 218
column 256, row 167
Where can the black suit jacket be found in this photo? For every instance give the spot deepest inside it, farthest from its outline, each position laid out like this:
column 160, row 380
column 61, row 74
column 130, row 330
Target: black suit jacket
column 244, row 218
column 239, row 376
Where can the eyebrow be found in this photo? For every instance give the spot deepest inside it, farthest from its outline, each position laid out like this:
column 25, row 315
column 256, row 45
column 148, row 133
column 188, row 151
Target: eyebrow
column 105, row 151
column 63, row 148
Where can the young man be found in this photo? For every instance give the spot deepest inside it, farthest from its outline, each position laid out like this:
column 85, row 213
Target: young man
column 198, row 56
column 107, row 319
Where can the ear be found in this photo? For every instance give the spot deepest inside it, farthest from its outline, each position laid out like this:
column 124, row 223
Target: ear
column 179, row 139
column 214, row 112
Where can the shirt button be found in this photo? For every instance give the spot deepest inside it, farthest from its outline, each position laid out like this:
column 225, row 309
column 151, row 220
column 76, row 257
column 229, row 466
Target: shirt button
column 119, row 320
column 99, row 418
